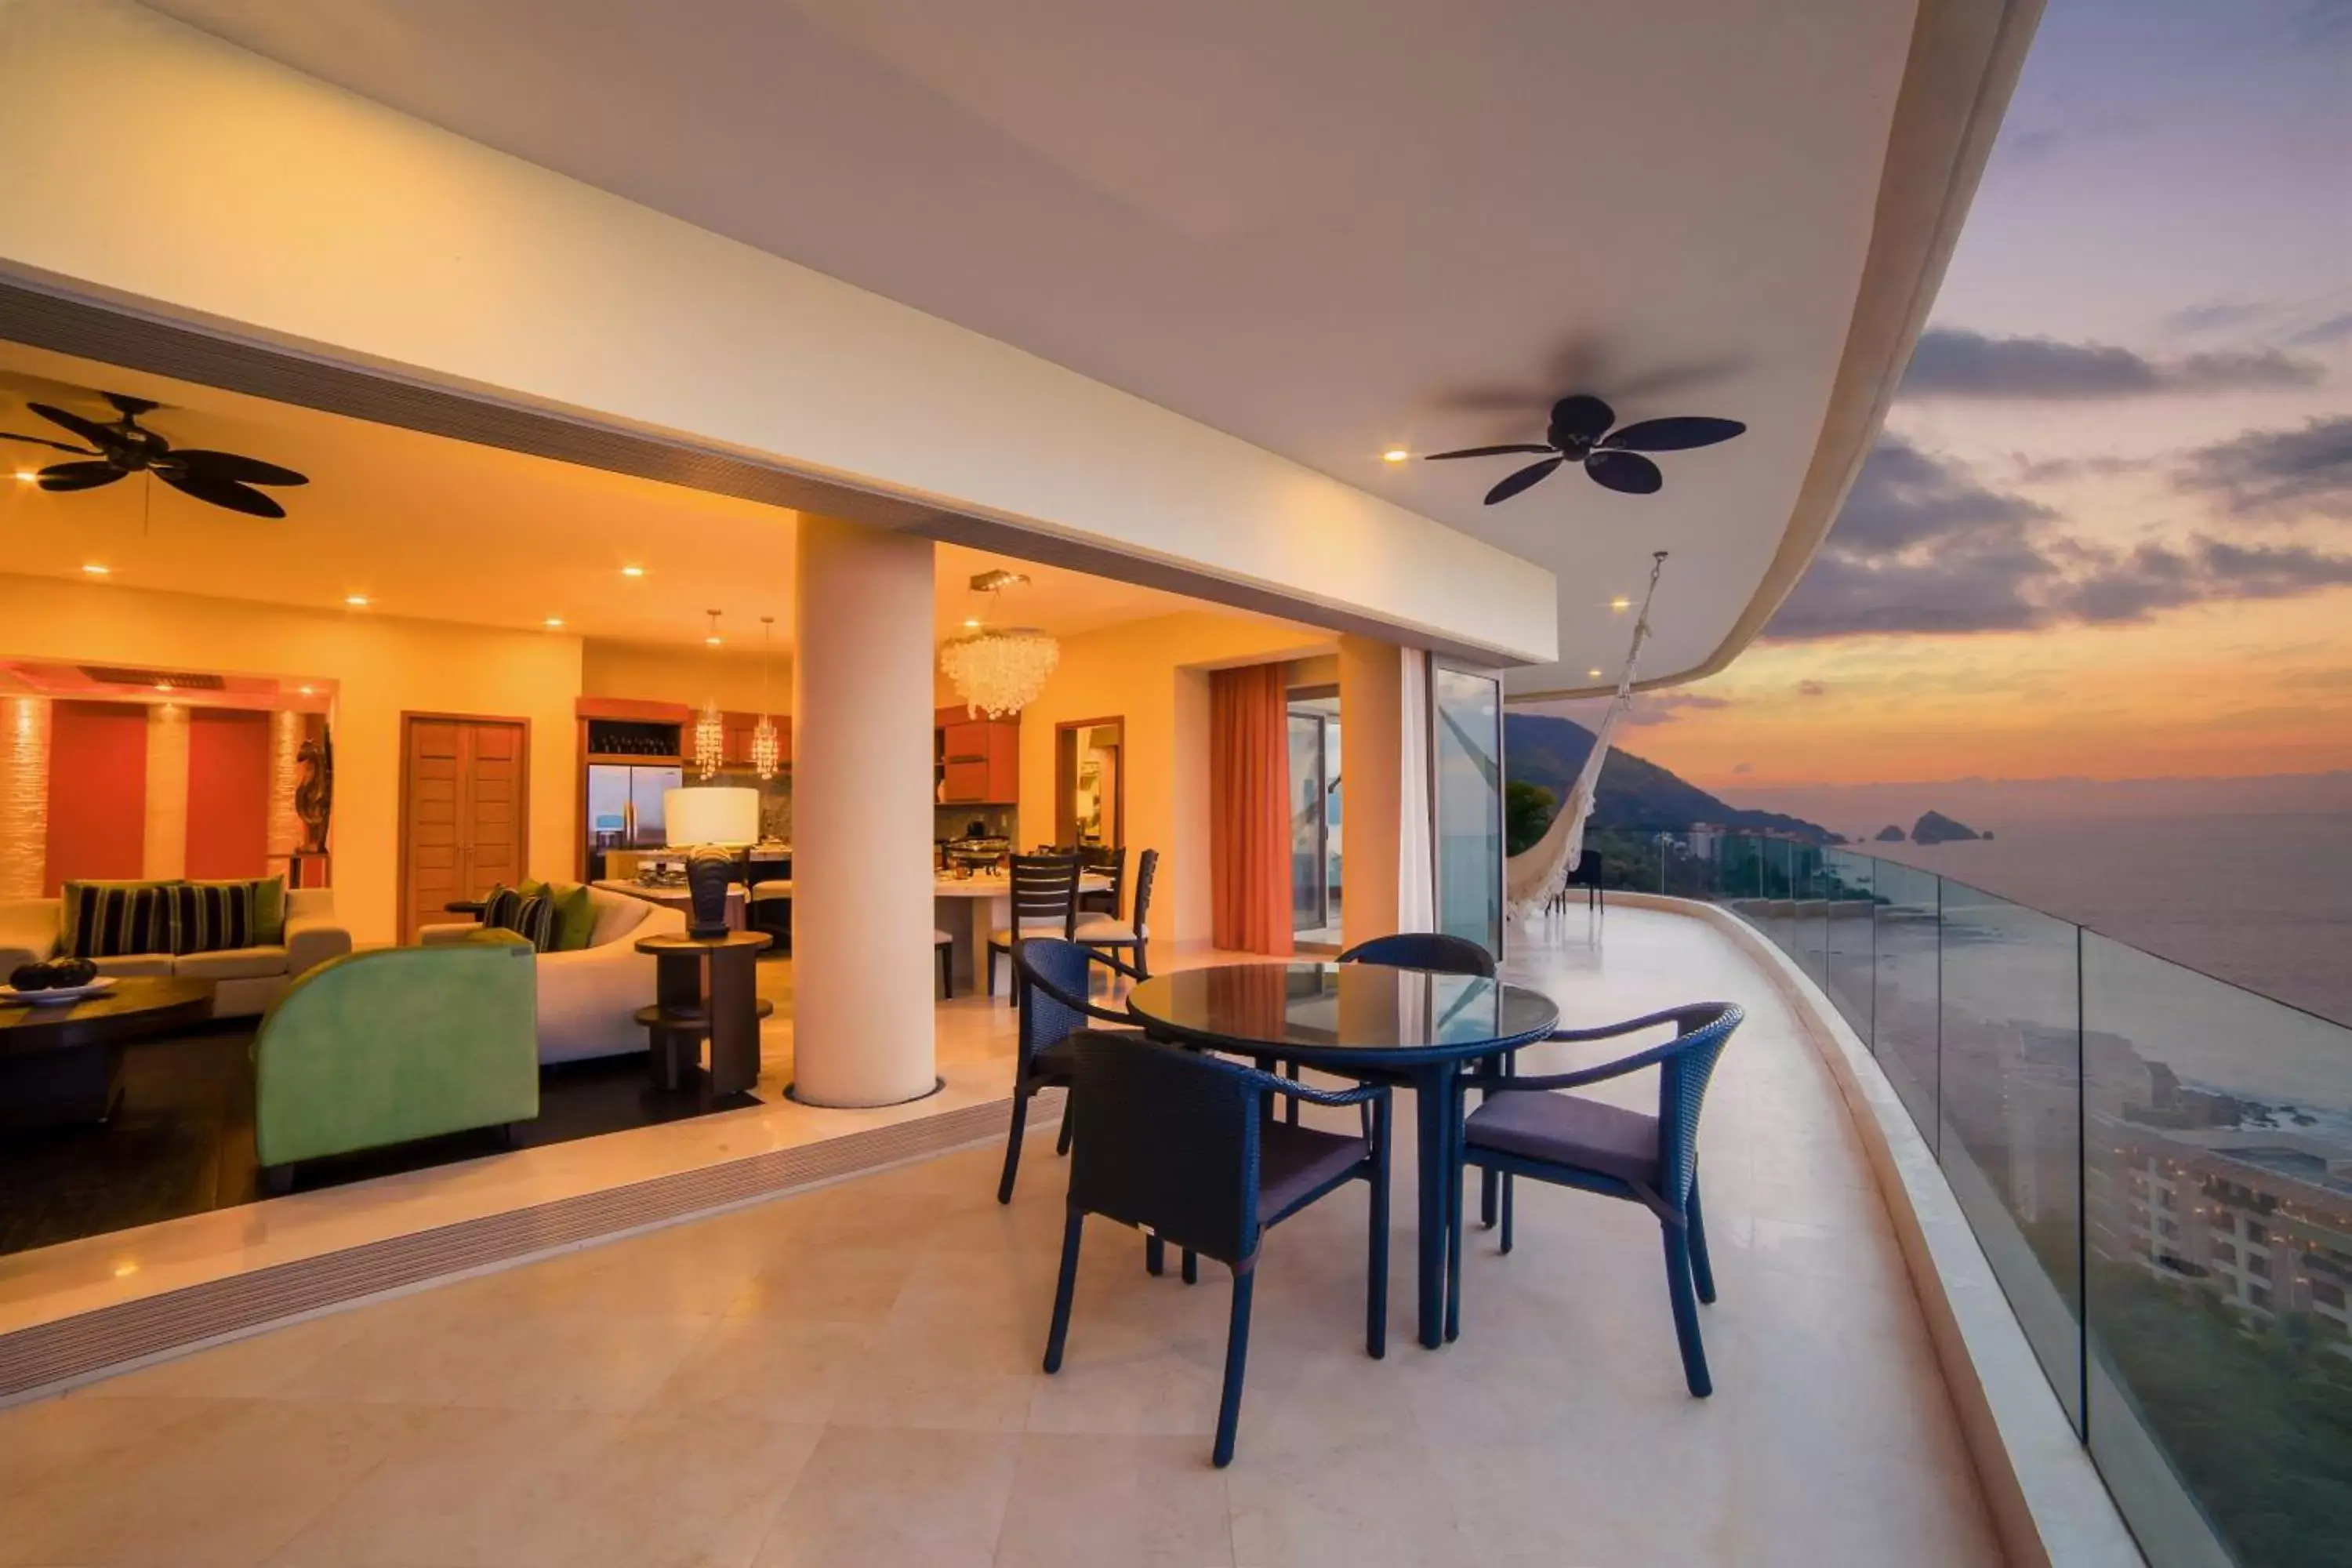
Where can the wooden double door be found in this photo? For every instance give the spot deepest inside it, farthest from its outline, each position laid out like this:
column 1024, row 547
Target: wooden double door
column 464, row 817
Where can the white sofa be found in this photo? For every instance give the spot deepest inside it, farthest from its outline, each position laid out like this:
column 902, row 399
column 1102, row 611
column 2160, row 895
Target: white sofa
column 248, row 979
column 588, row 998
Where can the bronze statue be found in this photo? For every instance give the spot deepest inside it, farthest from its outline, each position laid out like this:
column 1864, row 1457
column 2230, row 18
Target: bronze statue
column 314, row 791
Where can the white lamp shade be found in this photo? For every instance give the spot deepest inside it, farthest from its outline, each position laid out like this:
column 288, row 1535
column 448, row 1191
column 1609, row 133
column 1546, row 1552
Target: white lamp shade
column 711, row 814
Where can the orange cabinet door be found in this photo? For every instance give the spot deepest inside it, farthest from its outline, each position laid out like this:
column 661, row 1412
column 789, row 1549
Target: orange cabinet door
column 966, row 783
column 1004, row 765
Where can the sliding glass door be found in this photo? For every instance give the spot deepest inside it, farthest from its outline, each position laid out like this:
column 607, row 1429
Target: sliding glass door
column 1315, row 885
column 1466, row 791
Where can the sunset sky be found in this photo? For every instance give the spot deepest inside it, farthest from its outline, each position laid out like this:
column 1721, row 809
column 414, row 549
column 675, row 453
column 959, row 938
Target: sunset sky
column 2108, row 531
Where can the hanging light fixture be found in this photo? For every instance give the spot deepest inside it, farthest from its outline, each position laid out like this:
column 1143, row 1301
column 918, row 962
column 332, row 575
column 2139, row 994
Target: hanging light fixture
column 710, row 729
column 999, row 669
column 767, row 752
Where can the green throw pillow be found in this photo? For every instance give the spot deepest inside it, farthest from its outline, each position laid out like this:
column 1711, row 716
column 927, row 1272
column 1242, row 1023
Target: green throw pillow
column 576, row 915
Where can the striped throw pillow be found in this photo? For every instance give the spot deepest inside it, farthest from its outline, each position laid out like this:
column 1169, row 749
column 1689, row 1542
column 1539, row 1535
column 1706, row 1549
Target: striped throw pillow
column 212, row 916
column 109, row 920
column 531, row 918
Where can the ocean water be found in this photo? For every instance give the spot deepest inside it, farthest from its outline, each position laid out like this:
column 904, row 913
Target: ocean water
column 2263, row 901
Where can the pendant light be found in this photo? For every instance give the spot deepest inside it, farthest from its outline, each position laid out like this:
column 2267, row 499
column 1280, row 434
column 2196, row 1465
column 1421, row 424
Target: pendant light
column 767, row 752
column 999, row 669
column 710, row 729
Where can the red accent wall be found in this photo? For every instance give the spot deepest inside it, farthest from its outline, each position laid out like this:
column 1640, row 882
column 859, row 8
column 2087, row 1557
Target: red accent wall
column 228, row 793
column 97, row 791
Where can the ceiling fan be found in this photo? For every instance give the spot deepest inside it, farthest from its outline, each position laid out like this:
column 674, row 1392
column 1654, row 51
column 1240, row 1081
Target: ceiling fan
column 124, row 446
column 1580, row 433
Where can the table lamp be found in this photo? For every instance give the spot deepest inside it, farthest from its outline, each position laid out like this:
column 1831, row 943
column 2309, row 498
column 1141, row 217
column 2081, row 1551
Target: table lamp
column 710, row 823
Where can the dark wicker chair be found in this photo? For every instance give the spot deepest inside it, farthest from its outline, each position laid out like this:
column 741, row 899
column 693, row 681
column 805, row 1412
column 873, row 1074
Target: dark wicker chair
column 1111, row 936
column 1587, row 875
column 1424, row 950
column 1044, row 900
column 1523, row 1129
column 1052, row 977
column 1183, row 1145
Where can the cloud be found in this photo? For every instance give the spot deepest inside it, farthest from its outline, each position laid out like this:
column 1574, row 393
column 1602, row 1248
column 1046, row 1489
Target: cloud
column 1812, row 688
column 1925, row 547
column 2056, row 470
column 1952, row 362
column 1665, row 706
column 2322, row 332
column 1745, row 768
column 2214, row 314
column 2298, row 472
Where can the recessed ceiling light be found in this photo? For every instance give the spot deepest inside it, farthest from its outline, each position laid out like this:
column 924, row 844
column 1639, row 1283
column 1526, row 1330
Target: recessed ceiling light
column 26, row 476
column 1395, row 455
column 356, row 601
column 632, row 570
column 95, row 570
column 1592, row 675
column 553, row 622
column 713, row 642
column 1621, row 602
column 162, row 686
column 307, row 692
column 971, row 625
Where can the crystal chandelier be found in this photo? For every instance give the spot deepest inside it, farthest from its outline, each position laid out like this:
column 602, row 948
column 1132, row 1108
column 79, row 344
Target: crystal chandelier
column 999, row 669
column 710, row 729
column 767, row 752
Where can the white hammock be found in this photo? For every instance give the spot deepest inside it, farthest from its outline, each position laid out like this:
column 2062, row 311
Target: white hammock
column 1536, row 876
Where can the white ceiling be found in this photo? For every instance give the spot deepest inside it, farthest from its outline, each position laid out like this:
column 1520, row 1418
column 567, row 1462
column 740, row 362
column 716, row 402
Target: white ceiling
column 424, row 526
column 1327, row 226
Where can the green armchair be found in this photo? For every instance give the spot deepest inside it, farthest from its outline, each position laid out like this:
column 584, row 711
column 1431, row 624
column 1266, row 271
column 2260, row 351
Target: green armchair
column 394, row 1043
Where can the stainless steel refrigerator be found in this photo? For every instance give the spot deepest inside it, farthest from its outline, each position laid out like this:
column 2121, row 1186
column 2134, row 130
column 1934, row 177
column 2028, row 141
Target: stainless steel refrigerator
column 624, row 808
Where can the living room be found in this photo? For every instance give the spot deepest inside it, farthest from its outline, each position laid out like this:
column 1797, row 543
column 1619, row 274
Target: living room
column 193, row 693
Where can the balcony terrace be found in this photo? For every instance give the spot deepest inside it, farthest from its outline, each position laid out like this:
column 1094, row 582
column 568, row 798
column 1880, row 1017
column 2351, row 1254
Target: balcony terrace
column 850, row 1374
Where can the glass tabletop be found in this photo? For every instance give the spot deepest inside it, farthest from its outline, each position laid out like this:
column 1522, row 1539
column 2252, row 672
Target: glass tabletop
column 1329, row 1012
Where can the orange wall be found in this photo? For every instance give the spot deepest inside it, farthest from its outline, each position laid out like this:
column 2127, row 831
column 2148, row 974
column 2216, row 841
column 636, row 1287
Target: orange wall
column 1154, row 675
column 228, row 793
column 97, row 791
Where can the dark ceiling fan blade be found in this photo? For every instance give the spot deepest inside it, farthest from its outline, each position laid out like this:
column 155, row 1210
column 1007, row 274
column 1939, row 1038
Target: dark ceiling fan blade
column 231, row 466
column 131, row 408
column 222, row 493
column 1532, row 473
column 1673, row 434
column 1582, row 417
column 79, row 476
column 1485, row 452
column 89, row 430
column 45, row 441
column 1623, row 471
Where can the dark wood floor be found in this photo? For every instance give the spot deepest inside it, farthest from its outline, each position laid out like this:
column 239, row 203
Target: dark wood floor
column 181, row 1141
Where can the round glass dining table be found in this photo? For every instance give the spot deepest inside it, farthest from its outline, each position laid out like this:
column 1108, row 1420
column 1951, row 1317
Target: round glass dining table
column 1361, row 1020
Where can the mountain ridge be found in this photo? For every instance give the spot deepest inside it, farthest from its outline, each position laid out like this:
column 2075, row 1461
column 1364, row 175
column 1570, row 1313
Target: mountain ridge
column 1636, row 794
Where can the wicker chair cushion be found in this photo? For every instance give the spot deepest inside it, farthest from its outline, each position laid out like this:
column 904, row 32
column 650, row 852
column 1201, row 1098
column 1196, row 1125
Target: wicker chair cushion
column 1566, row 1129
column 1293, row 1161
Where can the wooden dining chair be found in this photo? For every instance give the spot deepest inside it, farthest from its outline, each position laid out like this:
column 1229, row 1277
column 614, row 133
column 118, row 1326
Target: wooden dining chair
column 1045, row 899
column 1104, row 860
column 1111, row 936
column 1523, row 1129
column 1182, row 1146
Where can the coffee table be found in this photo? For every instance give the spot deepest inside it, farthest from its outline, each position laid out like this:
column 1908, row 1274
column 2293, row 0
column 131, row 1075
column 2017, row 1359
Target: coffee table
column 64, row 1064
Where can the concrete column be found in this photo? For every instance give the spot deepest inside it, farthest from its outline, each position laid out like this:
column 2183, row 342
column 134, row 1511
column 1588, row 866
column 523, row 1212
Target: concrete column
column 165, row 852
column 862, row 878
column 1371, row 755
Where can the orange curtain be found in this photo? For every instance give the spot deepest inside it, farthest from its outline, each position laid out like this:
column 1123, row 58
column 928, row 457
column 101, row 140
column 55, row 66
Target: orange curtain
column 1249, row 809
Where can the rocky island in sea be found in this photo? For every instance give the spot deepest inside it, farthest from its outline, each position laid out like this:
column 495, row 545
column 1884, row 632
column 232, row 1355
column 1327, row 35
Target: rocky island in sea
column 1935, row 827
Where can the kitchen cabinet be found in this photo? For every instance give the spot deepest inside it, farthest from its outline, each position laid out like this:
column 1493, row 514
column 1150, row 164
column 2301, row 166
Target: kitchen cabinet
column 979, row 759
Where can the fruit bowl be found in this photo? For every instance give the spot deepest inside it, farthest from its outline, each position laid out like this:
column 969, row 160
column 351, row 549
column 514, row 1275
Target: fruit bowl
column 58, row 995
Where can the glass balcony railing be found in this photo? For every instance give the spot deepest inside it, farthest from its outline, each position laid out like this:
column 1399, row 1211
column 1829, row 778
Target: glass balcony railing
column 2157, row 1164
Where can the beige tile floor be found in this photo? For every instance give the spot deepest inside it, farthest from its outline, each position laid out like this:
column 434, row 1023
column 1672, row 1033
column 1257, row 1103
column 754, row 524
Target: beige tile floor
column 850, row 1376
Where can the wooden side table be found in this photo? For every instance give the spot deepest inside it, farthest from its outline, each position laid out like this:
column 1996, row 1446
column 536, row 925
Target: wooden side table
column 726, row 1010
